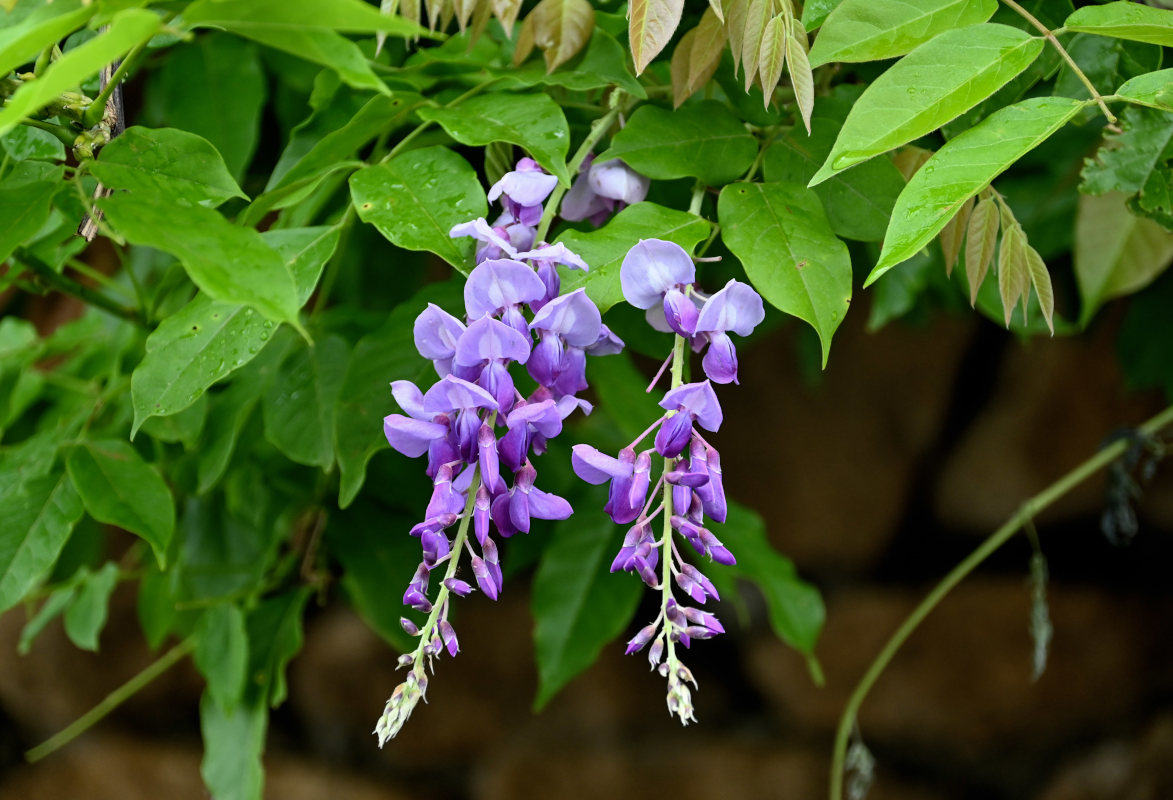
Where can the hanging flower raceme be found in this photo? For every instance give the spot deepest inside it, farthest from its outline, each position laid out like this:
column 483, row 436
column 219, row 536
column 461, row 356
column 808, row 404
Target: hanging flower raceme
column 483, row 481
column 659, row 276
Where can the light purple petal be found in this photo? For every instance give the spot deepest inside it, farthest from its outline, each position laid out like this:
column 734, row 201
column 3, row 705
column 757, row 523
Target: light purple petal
column 699, row 400
column 737, row 308
column 680, row 313
column 411, row 436
column 489, row 339
column 650, row 268
column 573, row 316
column 595, row 467
column 581, row 201
column 608, row 344
column 544, row 505
column 524, row 187
column 480, row 230
column 436, row 332
column 720, row 361
column 543, row 416
column 557, row 254
column 452, row 393
column 497, row 283
column 616, row 180
column 410, row 399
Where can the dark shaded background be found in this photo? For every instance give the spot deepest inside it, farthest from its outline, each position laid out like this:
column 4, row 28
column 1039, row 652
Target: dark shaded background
column 877, row 479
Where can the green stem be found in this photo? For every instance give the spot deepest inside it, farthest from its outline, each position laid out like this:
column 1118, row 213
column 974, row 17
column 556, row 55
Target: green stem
column 63, row 134
column 1050, row 36
column 345, row 224
column 111, row 701
column 69, row 286
column 757, row 162
column 598, row 129
column 1021, row 518
column 698, row 196
column 678, row 357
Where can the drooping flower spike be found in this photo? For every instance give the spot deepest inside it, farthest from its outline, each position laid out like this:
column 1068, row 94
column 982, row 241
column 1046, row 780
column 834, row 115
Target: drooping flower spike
column 483, row 481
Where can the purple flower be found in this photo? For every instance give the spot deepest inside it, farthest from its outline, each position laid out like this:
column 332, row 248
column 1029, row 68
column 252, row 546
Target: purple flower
column 512, row 511
column 566, row 327
column 495, row 242
column 692, row 402
column 524, row 190
column 526, row 422
column 485, row 348
column 653, row 267
column 737, row 308
column 499, row 287
column 545, row 259
column 629, row 476
column 436, row 333
column 601, row 189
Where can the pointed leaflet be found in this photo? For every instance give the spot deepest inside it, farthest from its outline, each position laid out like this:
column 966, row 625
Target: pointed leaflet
column 780, row 234
column 119, row 488
column 1128, row 160
column 21, row 42
column 1115, row 252
column 1013, row 275
column 417, row 197
column 980, row 239
column 962, row 168
column 605, row 248
column 800, row 72
column 233, row 743
column 1153, row 89
column 1040, row 279
column 650, row 26
column 952, row 235
column 705, row 53
column 506, row 13
column 166, row 165
column 348, row 16
column 127, row 29
column 525, row 41
column 38, row 517
column 602, row 64
column 702, row 140
column 928, row 87
column 533, row 122
column 680, row 68
column 86, row 616
column 772, row 57
column 221, row 653
column 1125, row 20
column 735, row 16
column 299, row 406
column 26, row 198
column 872, row 30
column 579, row 605
column 229, row 263
column 561, row 29
column 757, row 16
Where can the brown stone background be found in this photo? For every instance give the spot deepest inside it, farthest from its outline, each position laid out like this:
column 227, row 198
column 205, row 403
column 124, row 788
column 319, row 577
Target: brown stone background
column 913, row 445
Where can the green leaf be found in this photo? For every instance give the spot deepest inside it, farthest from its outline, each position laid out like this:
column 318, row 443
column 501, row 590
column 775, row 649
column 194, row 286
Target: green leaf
column 86, row 615
column 52, row 608
column 651, row 24
column 23, row 40
column 605, row 248
column 128, row 29
column 1127, row 161
column 934, row 83
column 1115, row 252
column 1125, row 20
column 221, row 653
column 794, row 606
column 220, row 555
column 233, row 743
column 184, row 427
column 192, row 349
column 275, row 637
column 579, row 605
column 24, row 142
column 815, row 12
column 382, row 356
column 155, row 606
column 229, row 263
column 299, row 406
column 305, row 252
column 26, row 199
column 1153, row 89
column 417, row 197
column 962, row 168
column 872, row 30
column 119, row 488
column 38, row 518
column 214, row 87
column 703, row 140
column 166, row 165
column 348, row 16
column 533, row 122
column 781, row 236
column 858, row 202
column 1104, row 62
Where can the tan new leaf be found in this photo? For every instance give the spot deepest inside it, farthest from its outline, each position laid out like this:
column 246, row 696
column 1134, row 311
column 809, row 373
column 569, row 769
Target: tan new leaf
column 435, row 9
column 480, row 20
column 525, row 41
column 387, row 7
column 650, row 25
column 562, row 28
column 506, row 12
column 756, row 19
column 735, row 12
column 953, row 233
column 705, row 53
column 1040, row 278
column 772, row 57
column 909, row 159
column 410, row 10
column 980, row 238
column 463, row 10
column 716, row 6
column 681, row 90
column 1013, row 279
column 800, row 71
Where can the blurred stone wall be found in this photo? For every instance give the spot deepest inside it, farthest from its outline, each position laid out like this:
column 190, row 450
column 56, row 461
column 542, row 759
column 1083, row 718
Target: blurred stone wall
column 876, row 480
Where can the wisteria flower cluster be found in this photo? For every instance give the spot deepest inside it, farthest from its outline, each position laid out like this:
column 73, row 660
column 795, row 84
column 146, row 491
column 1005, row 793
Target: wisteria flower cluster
column 509, row 302
column 659, row 276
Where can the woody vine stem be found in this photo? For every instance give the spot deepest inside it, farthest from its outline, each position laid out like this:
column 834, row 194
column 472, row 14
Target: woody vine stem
column 1022, row 518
